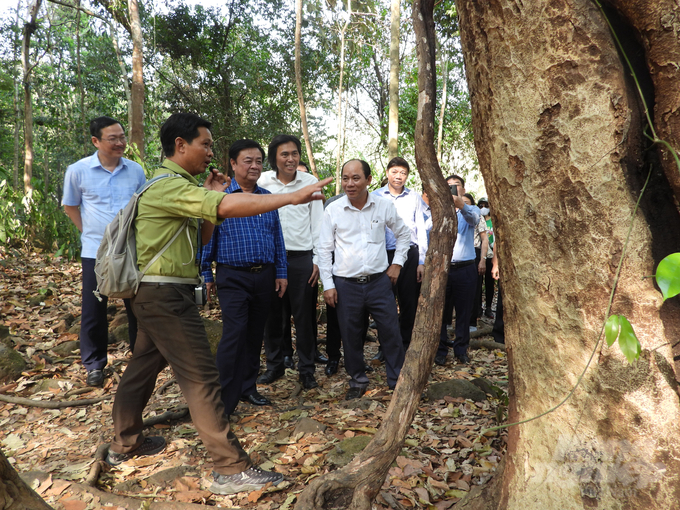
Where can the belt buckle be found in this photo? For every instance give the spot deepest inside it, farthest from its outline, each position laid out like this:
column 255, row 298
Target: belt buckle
column 256, row 269
column 362, row 279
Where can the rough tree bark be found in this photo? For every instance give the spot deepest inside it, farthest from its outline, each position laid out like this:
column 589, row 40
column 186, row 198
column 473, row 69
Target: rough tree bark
column 357, row 484
column 393, row 128
column 445, row 79
column 137, row 87
column 298, row 83
column 29, row 155
column 559, row 136
column 14, row 493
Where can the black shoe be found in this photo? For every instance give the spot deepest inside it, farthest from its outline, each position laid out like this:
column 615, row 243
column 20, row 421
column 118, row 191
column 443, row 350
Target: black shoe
column 368, row 368
column 332, row 368
column 256, row 399
column 270, row 376
column 95, row 378
column 379, row 356
column 488, row 313
column 251, row 479
column 150, row 446
column 440, row 360
column 355, row 393
column 308, row 381
column 448, row 342
column 463, row 358
column 288, row 362
column 320, row 359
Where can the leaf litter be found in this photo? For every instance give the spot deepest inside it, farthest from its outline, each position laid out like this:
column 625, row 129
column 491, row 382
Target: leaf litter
column 444, row 454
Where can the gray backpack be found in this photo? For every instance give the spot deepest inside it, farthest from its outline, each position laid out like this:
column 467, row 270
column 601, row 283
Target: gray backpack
column 116, row 269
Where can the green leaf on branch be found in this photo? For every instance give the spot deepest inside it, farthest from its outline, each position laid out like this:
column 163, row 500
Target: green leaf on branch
column 611, row 329
column 668, row 276
column 617, row 326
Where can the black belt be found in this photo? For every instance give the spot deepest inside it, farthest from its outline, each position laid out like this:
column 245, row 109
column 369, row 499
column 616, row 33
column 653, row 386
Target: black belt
column 258, row 268
column 292, row 254
column 458, row 265
column 363, row 279
column 155, row 284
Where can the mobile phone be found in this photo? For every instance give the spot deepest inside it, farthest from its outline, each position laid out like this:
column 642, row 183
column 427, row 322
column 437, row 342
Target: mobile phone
column 454, row 189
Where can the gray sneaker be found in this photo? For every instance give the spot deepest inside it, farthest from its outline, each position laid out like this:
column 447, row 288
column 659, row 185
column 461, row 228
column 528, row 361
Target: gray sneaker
column 251, row 479
column 151, row 446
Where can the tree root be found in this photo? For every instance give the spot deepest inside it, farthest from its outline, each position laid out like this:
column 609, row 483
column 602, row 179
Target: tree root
column 178, row 414
column 50, row 404
column 480, row 343
column 99, row 463
column 165, row 385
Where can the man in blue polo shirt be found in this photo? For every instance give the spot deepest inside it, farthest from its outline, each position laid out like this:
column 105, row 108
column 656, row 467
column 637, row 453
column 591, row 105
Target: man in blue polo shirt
column 95, row 189
column 460, row 287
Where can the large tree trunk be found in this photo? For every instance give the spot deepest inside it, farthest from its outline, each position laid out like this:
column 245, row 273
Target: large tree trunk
column 357, row 484
column 137, row 89
column 393, row 129
column 559, row 135
column 14, row 493
column 29, row 155
column 298, row 83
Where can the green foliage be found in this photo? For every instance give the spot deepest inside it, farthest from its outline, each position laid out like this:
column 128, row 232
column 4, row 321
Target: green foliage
column 617, row 326
column 668, row 276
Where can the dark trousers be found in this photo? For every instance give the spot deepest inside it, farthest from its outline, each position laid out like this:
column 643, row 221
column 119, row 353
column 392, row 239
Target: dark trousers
column 477, row 306
column 94, row 324
column 171, row 332
column 460, row 294
column 489, row 283
column 296, row 302
column 375, row 297
column 498, row 331
column 407, row 291
column 245, row 300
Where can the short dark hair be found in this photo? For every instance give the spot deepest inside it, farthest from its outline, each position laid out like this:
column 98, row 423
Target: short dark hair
column 364, row 166
column 181, row 125
column 96, row 125
column 243, row 144
column 274, row 145
column 399, row 162
column 454, row 176
column 302, row 163
column 472, row 199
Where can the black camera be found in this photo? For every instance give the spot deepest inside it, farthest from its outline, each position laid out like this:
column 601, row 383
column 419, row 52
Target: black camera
column 454, row 189
column 201, row 294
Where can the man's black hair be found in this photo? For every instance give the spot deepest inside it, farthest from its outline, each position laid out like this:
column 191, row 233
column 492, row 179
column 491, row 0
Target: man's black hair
column 472, row 199
column 364, row 166
column 454, row 176
column 274, row 145
column 401, row 162
column 181, row 125
column 96, row 125
column 243, row 144
column 302, row 163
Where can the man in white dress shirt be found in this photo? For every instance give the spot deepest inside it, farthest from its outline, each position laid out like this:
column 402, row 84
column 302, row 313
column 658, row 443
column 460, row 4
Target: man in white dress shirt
column 300, row 224
column 361, row 280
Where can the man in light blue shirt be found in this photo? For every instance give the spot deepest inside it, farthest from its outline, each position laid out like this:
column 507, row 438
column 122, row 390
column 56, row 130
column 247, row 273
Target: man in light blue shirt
column 95, row 189
column 462, row 281
column 410, row 207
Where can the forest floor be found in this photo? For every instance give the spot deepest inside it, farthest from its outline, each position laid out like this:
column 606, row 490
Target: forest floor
column 444, row 456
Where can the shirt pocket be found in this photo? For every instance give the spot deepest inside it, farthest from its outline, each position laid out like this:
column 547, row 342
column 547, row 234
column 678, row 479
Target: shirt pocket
column 377, row 232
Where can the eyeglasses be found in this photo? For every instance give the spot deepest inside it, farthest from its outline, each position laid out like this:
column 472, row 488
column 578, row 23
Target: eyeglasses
column 115, row 139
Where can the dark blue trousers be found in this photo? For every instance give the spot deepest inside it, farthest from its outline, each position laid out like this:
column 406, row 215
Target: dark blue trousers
column 460, row 295
column 376, row 298
column 94, row 324
column 245, row 300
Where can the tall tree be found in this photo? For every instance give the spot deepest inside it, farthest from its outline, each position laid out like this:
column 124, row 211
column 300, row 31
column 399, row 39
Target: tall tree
column 393, row 131
column 298, row 83
column 137, row 87
column 560, row 134
column 356, row 485
column 15, row 99
column 341, row 129
column 29, row 156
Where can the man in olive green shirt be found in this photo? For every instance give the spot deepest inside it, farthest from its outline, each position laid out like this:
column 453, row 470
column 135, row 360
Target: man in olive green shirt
column 171, row 330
